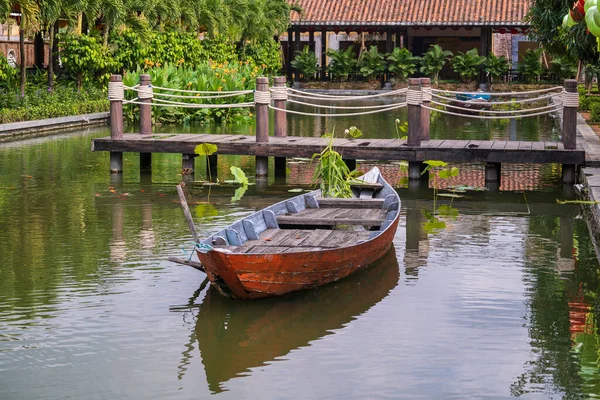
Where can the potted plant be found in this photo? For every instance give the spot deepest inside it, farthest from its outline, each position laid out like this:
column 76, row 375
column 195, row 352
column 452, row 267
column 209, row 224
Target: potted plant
column 433, row 61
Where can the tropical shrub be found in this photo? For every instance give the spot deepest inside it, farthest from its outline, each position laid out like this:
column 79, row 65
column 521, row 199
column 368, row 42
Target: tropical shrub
column 305, row 62
column 127, row 49
column 402, row 63
column 371, row 63
column 341, row 62
column 468, row 64
column 495, row 67
column 595, row 112
column 433, row 61
column 531, row 67
column 85, row 58
column 208, row 76
column 265, row 53
column 563, row 67
column 8, row 74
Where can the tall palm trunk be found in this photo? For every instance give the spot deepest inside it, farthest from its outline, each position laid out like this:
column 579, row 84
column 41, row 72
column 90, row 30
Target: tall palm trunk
column 105, row 39
column 23, row 68
column 50, row 60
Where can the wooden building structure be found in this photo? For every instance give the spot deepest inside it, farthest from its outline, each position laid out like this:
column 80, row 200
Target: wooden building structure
column 456, row 25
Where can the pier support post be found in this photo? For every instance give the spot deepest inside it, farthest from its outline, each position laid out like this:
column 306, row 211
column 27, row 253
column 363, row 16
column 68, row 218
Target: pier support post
column 569, row 132
column 211, row 167
column 414, row 98
column 188, row 166
column 115, row 96
column 279, row 101
column 262, row 100
column 351, row 164
column 425, row 113
column 493, row 173
column 145, row 96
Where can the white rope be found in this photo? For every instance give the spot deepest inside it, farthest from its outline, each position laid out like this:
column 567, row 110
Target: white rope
column 414, row 97
column 279, row 93
column 339, row 115
column 531, row 100
column 426, row 90
column 300, row 93
column 570, row 99
column 491, row 116
column 116, row 91
column 503, row 93
column 132, row 101
column 192, row 105
column 145, row 92
column 202, row 91
column 262, row 97
column 525, row 110
column 340, row 107
column 183, row 96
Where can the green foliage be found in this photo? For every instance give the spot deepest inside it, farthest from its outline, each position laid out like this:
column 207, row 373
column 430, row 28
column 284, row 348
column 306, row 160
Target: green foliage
column 305, row 62
column 341, row 62
column 371, row 63
column 587, row 102
column 38, row 103
column 127, row 49
column 402, row 63
column 265, row 53
column 563, row 67
column 206, row 149
column 239, row 175
column 468, row 64
column 85, row 58
column 8, row 74
column 438, row 170
column 401, row 127
column 595, row 112
column 531, row 67
column 433, row 61
column 217, row 48
column 332, row 171
column 207, row 76
column 495, row 67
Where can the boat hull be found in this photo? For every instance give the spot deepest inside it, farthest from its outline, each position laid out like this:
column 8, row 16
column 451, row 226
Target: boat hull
column 254, row 276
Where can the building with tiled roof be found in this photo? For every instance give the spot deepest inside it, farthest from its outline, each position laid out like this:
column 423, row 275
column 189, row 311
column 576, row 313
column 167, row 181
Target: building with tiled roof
column 456, row 25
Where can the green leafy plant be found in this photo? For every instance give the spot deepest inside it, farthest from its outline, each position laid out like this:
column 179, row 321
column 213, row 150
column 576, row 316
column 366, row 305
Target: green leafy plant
column 206, row 149
column 402, row 63
column 305, row 62
column 239, row 177
column 85, row 58
column 438, row 171
column 265, row 53
column 8, row 74
column 401, row 127
column 433, row 61
column 531, row 67
column 495, row 67
column 563, row 67
column 341, row 62
column 332, row 171
column 468, row 64
column 371, row 63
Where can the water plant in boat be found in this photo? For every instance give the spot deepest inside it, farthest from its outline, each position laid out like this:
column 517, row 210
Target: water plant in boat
column 331, row 170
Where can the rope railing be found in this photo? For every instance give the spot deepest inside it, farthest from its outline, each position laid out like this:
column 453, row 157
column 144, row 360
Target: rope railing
column 523, row 110
column 389, row 108
column 319, row 96
column 525, row 93
column 469, row 115
column 515, row 101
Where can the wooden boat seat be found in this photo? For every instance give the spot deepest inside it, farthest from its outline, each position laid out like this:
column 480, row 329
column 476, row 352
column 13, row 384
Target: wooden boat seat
column 295, row 240
column 334, row 216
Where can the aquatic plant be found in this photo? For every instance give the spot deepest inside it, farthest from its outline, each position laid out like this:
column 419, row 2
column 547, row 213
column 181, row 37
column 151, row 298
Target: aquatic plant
column 331, row 170
column 439, row 171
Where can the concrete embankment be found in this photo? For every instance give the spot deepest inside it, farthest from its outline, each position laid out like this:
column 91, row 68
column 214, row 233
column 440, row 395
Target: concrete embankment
column 15, row 130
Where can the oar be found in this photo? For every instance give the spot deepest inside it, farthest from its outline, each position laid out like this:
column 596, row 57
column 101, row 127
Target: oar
column 186, row 212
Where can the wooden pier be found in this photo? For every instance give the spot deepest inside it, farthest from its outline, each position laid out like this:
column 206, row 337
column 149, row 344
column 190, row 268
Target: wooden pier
column 415, row 149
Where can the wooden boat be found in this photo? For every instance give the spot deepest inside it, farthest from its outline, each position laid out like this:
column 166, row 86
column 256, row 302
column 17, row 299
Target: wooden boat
column 235, row 336
column 473, row 100
column 304, row 242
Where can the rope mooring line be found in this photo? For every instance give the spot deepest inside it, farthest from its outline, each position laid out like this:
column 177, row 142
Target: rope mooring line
column 190, row 105
column 527, row 93
column 340, row 107
column 319, row 96
column 491, row 116
column 395, row 107
column 519, row 101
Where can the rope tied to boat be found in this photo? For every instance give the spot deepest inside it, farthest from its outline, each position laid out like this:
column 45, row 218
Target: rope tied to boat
column 116, row 91
column 201, row 247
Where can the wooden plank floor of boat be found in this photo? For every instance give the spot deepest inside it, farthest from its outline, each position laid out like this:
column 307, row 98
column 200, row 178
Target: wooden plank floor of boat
column 297, row 240
column 334, row 216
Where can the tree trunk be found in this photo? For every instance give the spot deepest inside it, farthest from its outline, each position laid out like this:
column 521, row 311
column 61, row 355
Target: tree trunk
column 23, row 59
column 38, row 50
column 50, row 59
column 55, row 48
column 79, row 23
column 106, row 31
column 79, row 80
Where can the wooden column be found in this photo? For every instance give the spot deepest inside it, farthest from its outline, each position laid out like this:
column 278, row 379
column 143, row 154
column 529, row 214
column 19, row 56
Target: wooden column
column 493, row 173
column 323, row 54
column 415, row 168
column 425, row 113
column 145, row 119
column 116, row 122
column 290, row 54
column 262, row 124
column 569, row 131
column 212, row 167
column 389, row 44
column 296, row 48
column 280, row 119
column 188, row 165
column 398, row 39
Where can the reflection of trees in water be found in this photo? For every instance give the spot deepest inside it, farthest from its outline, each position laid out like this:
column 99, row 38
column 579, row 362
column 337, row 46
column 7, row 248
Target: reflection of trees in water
column 559, row 364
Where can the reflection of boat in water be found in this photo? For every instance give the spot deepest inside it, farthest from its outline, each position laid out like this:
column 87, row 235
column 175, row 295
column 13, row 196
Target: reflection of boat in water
column 234, row 336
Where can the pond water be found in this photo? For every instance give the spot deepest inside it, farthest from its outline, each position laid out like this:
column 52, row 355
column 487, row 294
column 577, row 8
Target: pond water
column 501, row 303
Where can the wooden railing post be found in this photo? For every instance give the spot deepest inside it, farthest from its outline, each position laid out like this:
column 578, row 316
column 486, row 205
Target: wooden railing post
column 145, row 96
column 569, row 132
column 425, row 113
column 280, row 118
column 262, row 101
column 115, row 96
column 414, row 98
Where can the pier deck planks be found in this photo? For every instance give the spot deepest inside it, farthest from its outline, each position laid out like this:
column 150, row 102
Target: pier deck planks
column 367, row 149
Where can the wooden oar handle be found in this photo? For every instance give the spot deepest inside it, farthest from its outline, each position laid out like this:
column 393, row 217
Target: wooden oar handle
column 186, row 212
